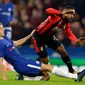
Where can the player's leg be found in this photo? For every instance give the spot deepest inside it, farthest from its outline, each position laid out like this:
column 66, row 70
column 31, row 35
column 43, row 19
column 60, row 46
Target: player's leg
column 42, row 76
column 63, row 73
column 40, row 50
column 45, row 75
column 31, row 69
column 45, row 60
column 28, row 67
column 42, row 53
column 58, row 71
column 57, row 46
column 64, row 56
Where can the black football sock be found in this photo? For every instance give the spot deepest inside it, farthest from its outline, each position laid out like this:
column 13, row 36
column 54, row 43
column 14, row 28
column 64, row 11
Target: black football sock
column 67, row 61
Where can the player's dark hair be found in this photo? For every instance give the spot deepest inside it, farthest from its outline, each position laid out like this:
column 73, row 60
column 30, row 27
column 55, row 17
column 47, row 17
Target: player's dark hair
column 68, row 7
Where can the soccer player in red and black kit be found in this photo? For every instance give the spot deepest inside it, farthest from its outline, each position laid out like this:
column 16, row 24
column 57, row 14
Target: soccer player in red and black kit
column 45, row 34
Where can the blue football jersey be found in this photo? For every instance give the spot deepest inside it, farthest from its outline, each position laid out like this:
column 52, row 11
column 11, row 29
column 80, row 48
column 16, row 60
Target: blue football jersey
column 6, row 13
column 13, row 56
column 8, row 51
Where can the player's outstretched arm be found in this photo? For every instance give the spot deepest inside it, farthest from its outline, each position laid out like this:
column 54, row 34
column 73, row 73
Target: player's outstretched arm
column 2, row 70
column 23, row 40
column 51, row 11
column 69, row 34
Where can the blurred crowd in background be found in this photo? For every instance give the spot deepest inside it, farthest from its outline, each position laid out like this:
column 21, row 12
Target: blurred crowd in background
column 30, row 13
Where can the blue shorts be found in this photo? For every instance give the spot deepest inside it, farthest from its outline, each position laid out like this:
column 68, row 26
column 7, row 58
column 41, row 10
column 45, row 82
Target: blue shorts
column 28, row 67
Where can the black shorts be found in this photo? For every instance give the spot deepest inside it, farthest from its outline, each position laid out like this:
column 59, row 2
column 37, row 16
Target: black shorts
column 41, row 43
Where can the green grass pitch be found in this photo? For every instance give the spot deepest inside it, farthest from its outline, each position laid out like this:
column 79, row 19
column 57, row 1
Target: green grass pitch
column 53, row 81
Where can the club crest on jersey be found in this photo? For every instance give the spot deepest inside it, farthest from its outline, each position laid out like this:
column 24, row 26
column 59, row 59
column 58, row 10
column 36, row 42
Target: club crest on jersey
column 11, row 48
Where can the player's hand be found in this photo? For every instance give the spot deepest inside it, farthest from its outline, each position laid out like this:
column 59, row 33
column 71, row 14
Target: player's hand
column 81, row 41
column 4, row 78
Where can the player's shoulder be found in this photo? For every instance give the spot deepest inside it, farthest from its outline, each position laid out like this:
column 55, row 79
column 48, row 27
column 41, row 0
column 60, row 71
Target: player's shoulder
column 2, row 42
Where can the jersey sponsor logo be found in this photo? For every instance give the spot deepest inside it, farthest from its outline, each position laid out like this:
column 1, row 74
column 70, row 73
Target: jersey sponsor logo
column 56, row 29
column 6, row 13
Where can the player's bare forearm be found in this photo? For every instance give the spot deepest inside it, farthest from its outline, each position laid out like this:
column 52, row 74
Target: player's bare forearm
column 23, row 40
column 73, row 38
column 2, row 70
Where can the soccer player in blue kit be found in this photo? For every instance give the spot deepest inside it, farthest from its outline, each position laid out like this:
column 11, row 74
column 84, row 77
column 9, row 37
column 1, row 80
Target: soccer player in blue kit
column 26, row 66
column 6, row 16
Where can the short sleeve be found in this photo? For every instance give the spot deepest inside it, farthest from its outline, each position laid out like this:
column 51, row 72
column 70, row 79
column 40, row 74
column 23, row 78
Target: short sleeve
column 11, row 41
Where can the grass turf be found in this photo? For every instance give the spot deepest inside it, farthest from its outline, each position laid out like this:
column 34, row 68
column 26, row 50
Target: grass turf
column 53, row 81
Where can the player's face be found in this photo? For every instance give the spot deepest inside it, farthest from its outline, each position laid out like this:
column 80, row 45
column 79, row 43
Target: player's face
column 69, row 14
column 1, row 31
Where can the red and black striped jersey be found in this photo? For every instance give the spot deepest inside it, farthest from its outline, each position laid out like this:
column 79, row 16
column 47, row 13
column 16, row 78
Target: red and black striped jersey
column 55, row 19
